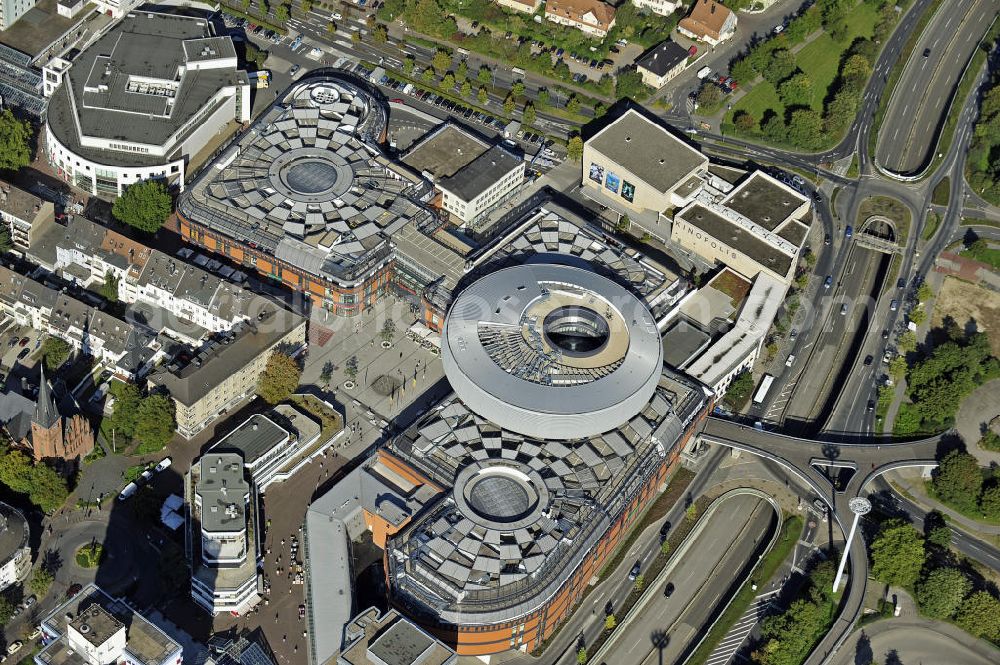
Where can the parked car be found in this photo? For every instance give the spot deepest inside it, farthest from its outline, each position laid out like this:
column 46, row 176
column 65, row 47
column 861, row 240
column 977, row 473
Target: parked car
column 24, row 341
column 73, row 590
column 163, row 465
column 23, row 354
column 790, row 360
column 828, row 282
column 35, row 632
column 128, row 491
column 894, row 305
column 14, row 647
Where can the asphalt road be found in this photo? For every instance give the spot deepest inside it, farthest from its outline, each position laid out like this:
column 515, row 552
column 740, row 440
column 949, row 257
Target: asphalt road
column 924, row 92
column 914, row 640
column 845, row 309
column 700, row 579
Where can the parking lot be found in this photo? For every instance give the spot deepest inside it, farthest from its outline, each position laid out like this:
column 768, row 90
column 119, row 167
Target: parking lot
column 17, row 344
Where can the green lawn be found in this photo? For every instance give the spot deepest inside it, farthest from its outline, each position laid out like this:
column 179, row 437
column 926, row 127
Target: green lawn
column 761, row 97
column 819, row 59
column 986, row 255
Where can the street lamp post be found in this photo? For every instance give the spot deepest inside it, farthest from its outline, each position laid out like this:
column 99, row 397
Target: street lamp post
column 859, row 506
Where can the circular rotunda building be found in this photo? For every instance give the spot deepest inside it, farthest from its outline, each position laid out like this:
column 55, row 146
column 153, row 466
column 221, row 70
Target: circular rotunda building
column 562, row 425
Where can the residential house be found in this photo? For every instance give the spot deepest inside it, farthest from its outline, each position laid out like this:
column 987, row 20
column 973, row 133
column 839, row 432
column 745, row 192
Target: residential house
column 709, row 21
column 526, row 6
column 661, row 7
column 25, row 215
column 662, row 63
column 592, row 17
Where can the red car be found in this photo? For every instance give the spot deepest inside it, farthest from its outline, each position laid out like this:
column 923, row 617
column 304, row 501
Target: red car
column 73, row 590
column 397, row 101
column 24, row 341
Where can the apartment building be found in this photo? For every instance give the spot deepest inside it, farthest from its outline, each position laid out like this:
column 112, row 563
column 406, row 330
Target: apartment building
column 25, row 215
column 592, row 17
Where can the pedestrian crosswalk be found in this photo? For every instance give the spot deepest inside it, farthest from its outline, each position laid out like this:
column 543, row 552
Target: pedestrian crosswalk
column 737, row 635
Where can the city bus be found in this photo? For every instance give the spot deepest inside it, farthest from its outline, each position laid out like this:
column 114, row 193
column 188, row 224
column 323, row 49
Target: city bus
column 765, row 385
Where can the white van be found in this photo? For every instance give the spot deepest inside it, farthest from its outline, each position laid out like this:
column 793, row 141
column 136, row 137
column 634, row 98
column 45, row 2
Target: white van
column 129, row 490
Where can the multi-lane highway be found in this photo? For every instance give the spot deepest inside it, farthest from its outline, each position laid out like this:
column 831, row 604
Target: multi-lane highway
column 740, row 528
column 923, row 94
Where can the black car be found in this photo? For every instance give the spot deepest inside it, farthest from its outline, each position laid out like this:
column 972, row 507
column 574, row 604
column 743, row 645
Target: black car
column 609, row 609
column 817, row 197
column 668, row 590
column 868, row 360
column 927, row 52
column 900, row 283
column 23, row 354
column 827, row 239
column 885, row 334
column 871, row 405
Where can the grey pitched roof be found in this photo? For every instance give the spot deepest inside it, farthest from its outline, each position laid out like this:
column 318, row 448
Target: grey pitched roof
column 663, row 57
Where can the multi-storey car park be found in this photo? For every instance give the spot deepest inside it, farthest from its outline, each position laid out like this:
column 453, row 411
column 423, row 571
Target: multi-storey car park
column 307, row 198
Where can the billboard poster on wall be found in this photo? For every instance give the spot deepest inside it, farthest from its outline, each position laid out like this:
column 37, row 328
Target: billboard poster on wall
column 628, row 191
column 613, row 182
column 597, row 173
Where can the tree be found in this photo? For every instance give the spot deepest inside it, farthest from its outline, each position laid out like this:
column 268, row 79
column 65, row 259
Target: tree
column 959, row 479
column 942, row 591
column 327, row 372
column 15, row 142
column 978, row 615
column 574, row 148
column 144, row 205
column 154, row 423
column 907, row 342
column 279, row 379
column 691, row 514
column 306, row 6
column 781, row 65
column 380, row 35
column 739, row 391
column 599, row 109
column 55, row 351
column 528, row 115
column 482, row 96
column 509, row 104
column 805, row 128
column 15, row 471
column 351, row 368
column 7, row 611
column 281, row 13
column 610, row 622
column 40, row 581
column 543, row 97
column 936, row 530
column 462, row 72
column 331, row 27
column 918, row 315
column 246, row 5
column 924, row 292
column 388, row 331
column 640, row 582
column 428, row 75
column 744, row 121
column 989, row 502
column 48, row 488
column 581, row 656
column 355, row 36
column 441, row 61
column 796, row 90
column 665, row 548
column 517, row 89
column 466, row 88
column 742, row 70
column 485, row 76
column 709, row 96
column 448, row 82
column 123, row 417
column 109, row 287
column 573, row 104
column 897, row 554
column 408, row 64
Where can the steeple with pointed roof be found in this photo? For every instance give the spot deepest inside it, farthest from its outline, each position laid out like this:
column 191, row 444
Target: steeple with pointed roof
column 46, row 412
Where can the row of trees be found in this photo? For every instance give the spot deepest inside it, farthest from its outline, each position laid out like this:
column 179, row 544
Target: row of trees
column 16, row 136
column 43, row 485
column 982, row 165
column 960, row 482
column 787, row 638
column 937, row 381
column 145, row 419
column 801, row 125
column 924, row 565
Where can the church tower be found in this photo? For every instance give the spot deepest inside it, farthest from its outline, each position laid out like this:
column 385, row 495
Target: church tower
column 46, row 424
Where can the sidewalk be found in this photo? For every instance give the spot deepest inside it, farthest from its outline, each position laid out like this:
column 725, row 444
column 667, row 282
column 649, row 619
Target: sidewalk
column 913, row 485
